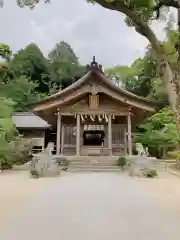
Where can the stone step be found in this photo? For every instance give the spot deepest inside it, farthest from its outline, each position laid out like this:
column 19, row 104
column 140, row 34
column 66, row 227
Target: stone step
column 93, row 163
column 91, row 166
column 93, row 170
column 90, row 158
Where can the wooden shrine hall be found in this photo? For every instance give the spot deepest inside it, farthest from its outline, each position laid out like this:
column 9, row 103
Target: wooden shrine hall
column 93, row 116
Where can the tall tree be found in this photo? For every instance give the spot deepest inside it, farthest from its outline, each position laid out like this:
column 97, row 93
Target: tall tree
column 63, row 52
column 31, row 63
column 139, row 15
column 64, row 66
column 138, row 77
column 143, row 77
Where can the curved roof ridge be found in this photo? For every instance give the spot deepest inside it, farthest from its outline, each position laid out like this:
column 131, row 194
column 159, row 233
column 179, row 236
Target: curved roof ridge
column 122, row 90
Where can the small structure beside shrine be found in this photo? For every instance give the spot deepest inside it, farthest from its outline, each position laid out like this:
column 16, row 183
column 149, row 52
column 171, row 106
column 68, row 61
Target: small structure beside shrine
column 93, row 116
column 32, row 127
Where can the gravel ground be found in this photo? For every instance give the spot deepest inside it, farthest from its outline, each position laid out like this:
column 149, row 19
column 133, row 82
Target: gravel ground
column 98, row 206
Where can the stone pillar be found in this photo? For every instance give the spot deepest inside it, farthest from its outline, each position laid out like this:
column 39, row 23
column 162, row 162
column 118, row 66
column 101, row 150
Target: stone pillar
column 58, row 134
column 110, row 133
column 78, row 128
column 129, row 134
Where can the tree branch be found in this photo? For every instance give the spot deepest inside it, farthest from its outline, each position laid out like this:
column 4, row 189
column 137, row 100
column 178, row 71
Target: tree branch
column 140, row 25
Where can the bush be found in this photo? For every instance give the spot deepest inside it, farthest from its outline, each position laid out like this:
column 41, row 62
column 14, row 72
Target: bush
column 174, row 155
column 16, row 152
column 62, row 161
column 34, row 173
column 150, row 173
column 21, row 151
column 122, row 162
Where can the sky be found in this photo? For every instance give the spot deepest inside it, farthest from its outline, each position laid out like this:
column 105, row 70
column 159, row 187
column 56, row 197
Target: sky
column 90, row 29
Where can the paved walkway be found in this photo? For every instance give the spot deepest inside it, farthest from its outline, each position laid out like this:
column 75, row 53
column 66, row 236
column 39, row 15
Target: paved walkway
column 94, row 206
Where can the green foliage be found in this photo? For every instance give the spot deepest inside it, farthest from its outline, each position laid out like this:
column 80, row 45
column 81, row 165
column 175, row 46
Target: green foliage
column 31, row 63
column 137, row 78
column 4, row 70
column 122, row 162
column 22, row 91
column 159, row 131
column 64, row 66
column 142, row 77
column 174, row 154
column 21, row 151
column 63, row 52
column 29, row 76
column 7, row 132
column 26, row 3
column 34, row 173
column 5, row 51
column 64, row 74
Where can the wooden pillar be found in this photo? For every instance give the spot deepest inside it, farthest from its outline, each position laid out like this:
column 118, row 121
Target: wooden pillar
column 78, row 127
column 110, row 133
column 58, row 134
column 62, row 139
column 129, row 133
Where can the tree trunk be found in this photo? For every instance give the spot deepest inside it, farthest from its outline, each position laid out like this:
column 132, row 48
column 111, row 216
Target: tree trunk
column 168, row 80
column 172, row 87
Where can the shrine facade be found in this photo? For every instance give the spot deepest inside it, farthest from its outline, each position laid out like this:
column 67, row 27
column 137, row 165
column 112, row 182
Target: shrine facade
column 93, row 116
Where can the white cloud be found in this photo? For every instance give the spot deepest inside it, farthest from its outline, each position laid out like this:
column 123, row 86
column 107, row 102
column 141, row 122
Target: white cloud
column 90, row 29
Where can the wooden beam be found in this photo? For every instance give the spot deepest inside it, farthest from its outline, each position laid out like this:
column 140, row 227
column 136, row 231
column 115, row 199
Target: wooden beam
column 58, row 136
column 78, row 129
column 129, row 134
column 110, row 133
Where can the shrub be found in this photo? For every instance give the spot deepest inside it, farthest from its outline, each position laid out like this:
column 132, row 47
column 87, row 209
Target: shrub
column 122, row 162
column 62, row 161
column 174, row 155
column 21, row 152
column 34, row 173
column 150, row 173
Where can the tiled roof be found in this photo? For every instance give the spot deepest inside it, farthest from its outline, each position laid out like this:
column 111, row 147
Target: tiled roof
column 29, row 120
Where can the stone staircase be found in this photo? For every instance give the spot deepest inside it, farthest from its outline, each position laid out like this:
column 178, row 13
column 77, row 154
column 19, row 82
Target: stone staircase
column 93, row 164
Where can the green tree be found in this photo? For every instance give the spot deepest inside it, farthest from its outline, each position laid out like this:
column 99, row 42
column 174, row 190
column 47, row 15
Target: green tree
column 64, row 66
column 143, row 77
column 5, row 51
column 31, row 63
column 7, row 130
column 139, row 14
column 159, row 132
column 4, row 71
column 21, row 91
column 63, row 52
column 137, row 78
